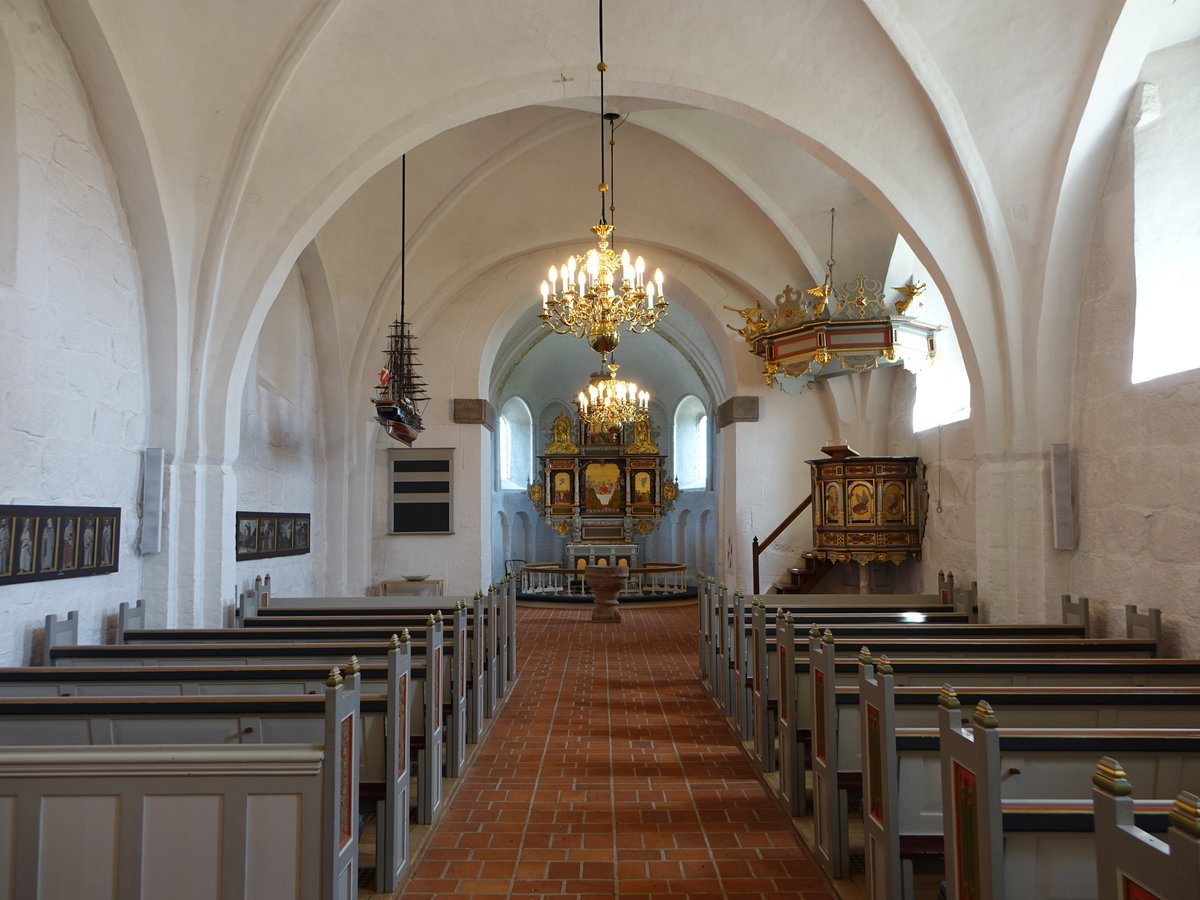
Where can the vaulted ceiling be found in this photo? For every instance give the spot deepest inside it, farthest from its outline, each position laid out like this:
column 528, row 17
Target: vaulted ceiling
column 244, row 132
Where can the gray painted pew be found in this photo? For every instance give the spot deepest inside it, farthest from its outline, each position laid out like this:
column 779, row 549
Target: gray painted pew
column 1005, row 843
column 837, row 726
column 247, row 653
column 498, row 632
column 398, row 681
column 471, row 669
column 718, row 614
column 149, row 782
column 754, row 663
column 1131, row 862
column 227, row 645
column 794, row 714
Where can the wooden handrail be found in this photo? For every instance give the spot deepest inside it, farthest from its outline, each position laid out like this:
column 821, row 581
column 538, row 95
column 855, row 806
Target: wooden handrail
column 756, row 548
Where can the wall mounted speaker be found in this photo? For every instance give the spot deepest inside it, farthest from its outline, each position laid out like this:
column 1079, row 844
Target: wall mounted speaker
column 1060, row 497
column 152, row 500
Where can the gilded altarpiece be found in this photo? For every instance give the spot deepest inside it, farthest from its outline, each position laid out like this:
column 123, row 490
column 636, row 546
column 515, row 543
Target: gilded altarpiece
column 868, row 509
column 602, row 489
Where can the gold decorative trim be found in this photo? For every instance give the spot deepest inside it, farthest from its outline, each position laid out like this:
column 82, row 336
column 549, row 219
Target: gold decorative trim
column 1109, row 777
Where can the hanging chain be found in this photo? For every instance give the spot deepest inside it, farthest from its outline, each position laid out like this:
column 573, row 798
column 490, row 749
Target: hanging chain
column 601, row 68
column 829, row 262
column 403, row 226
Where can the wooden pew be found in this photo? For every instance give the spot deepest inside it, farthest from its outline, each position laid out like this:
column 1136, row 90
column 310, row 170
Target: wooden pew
column 902, row 769
column 455, row 685
column 838, row 715
column 754, row 661
column 484, row 653
column 1034, row 839
column 399, row 684
column 790, row 651
column 794, row 714
column 431, row 746
column 250, row 819
column 1130, row 861
column 736, row 636
column 725, row 611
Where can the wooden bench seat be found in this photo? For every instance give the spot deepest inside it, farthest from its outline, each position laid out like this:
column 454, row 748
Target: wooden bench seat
column 780, row 722
column 497, row 607
column 794, row 721
column 1130, row 860
column 231, row 646
column 141, row 815
column 840, row 715
column 1008, row 841
column 435, row 751
column 494, row 655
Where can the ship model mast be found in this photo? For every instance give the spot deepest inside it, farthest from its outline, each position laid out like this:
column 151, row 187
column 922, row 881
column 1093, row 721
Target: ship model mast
column 401, row 392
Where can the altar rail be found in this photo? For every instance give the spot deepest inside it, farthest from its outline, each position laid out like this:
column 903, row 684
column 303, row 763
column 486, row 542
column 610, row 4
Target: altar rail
column 652, row 578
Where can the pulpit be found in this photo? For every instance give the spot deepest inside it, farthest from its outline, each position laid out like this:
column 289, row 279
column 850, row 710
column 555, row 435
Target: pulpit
column 868, row 508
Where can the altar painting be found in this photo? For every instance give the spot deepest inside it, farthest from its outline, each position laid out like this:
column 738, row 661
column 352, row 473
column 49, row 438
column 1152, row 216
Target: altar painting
column 603, row 488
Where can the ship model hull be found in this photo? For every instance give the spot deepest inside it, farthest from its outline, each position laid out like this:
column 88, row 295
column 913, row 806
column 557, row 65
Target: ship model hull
column 399, row 424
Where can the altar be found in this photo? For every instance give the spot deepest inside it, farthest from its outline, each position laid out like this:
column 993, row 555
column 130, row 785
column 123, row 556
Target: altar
column 602, row 490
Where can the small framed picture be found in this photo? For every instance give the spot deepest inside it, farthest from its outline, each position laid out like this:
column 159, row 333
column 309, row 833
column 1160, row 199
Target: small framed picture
column 300, row 535
column 6, row 545
column 283, row 534
column 47, row 544
column 68, row 543
column 87, row 546
column 262, row 534
column 266, row 534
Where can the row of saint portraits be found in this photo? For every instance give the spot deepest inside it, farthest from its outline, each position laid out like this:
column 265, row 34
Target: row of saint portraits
column 261, row 534
column 39, row 543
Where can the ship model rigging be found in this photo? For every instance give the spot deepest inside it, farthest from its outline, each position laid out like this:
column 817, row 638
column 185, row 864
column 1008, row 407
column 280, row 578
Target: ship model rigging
column 400, row 394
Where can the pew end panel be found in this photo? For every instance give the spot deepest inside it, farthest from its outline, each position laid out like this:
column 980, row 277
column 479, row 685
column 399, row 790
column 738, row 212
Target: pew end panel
column 1077, row 612
column 831, row 798
column 59, row 633
column 393, row 851
column 973, row 827
column 1131, row 862
column 130, row 617
column 881, row 832
column 340, row 819
column 1145, row 626
column 239, row 822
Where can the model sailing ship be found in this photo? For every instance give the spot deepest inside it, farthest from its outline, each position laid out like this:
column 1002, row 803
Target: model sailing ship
column 401, row 392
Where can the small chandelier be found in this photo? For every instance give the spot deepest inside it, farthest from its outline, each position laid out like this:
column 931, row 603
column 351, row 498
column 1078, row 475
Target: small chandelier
column 600, row 290
column 610, row 402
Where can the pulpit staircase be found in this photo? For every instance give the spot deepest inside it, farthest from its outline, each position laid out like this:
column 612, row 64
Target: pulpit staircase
column 800, row 580
column 803, row 579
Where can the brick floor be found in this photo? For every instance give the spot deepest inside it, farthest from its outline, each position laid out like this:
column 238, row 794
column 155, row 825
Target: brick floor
column 610, row 773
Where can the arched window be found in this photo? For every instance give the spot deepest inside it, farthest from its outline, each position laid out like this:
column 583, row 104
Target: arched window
column 943, row 390
column 1166, row 211
column 515, row 446
column 691, row 444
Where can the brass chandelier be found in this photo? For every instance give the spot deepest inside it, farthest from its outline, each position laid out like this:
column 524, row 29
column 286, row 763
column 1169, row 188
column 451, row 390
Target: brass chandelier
column 610, row 402
column 600, row 291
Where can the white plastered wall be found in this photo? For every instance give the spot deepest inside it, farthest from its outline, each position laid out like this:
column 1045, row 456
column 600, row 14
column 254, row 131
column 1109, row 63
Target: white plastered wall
column 72, row 372
column 280, row 466
column 1136, row 463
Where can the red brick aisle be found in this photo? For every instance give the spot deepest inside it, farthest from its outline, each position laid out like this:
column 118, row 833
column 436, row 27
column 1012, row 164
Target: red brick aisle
column 611, row 774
